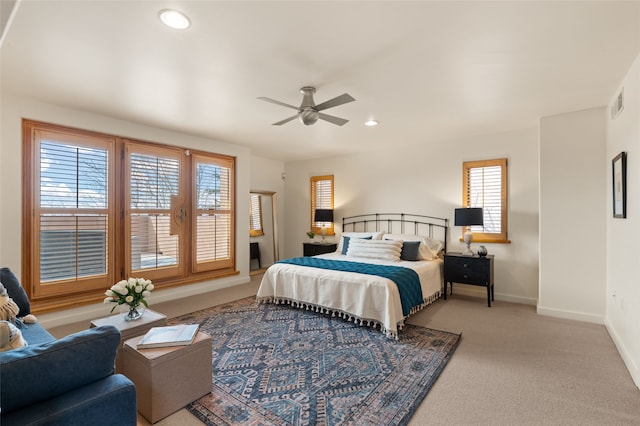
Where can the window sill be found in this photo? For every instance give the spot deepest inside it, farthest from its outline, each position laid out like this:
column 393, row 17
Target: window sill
column 58, row 303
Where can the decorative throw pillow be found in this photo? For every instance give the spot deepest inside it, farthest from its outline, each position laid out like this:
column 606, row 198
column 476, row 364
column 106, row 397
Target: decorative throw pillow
column 377, row 235
column 15, row 290
column 429, row 248
column 410, row 251
column 10, row 337
column 376, row 249
column 345, row 242
column 8, row 308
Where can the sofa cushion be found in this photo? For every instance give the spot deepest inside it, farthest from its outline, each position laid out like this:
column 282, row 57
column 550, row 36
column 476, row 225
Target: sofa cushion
column 15, row 290
column 37, row 372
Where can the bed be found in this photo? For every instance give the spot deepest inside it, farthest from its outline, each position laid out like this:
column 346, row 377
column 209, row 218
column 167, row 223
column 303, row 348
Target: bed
column 387, row 267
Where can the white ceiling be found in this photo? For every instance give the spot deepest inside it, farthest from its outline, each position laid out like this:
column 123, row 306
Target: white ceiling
column 428, row 71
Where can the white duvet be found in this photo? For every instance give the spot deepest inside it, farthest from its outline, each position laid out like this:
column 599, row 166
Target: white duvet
column 363, row 298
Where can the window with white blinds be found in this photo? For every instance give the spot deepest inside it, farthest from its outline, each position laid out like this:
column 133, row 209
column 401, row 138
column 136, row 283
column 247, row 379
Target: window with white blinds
column 72, row 226
column 485, row 185
column 106, row 208
column 214, row 218
column 255, row 216
column 152, row 230
column 321, row 198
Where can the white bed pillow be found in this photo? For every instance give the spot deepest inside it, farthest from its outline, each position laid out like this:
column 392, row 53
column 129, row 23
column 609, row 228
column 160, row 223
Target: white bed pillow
column 373, row 235
column 436, row 246
column 430, row 248
column 375, row 249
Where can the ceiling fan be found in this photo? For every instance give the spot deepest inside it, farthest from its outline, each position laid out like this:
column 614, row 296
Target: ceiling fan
column 309, row 112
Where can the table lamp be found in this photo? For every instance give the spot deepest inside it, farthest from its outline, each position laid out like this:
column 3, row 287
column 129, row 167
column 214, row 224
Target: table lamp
column 323, row 215
column 467, row 217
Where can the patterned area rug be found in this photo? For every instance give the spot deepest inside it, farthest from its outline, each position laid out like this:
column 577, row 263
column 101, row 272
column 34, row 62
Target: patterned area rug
column 276, row 365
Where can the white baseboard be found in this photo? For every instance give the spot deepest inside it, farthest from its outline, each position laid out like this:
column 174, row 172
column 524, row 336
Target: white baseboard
column 477, row 291
column 624, row 354
column 99, row 310
column 572, row 315
column 516, row 299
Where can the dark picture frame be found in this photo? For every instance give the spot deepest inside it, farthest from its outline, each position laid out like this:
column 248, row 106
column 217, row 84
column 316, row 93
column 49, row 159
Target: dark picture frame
column 619, row 170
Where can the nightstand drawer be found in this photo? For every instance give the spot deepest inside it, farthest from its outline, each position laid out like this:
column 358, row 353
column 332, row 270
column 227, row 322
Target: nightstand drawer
column 466, row 270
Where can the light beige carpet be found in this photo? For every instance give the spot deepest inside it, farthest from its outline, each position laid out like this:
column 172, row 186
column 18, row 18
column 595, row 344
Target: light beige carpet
column 514, row 367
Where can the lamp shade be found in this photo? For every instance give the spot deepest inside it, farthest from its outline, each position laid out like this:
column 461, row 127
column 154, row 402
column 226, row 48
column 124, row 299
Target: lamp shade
column 323, row 215
column 468, row 216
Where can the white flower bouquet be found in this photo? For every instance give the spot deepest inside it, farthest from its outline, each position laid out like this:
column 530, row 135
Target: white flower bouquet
column 131, row 292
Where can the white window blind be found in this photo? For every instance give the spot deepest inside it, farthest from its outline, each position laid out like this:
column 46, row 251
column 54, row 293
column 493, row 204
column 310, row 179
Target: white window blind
column 73, row 219
column 484, row 190
column 214, row 212
column 154, row 178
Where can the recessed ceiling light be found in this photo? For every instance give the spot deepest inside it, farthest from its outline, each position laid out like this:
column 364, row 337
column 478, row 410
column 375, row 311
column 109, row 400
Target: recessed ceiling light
column 174, row 19
column 371, row 123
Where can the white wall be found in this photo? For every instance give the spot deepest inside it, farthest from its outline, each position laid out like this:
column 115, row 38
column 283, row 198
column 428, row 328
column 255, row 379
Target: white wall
column 14, row 109
column 427, row 179
column 623, row 252
column 573, row 215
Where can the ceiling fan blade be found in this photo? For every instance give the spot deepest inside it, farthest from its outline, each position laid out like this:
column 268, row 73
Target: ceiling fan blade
column 286, row 120
column 331, row 119
column 338, row 100
column 273, row 101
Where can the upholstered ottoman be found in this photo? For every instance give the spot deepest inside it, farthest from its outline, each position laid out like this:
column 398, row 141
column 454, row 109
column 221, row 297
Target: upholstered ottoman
column 168, row 378
column 129, row 329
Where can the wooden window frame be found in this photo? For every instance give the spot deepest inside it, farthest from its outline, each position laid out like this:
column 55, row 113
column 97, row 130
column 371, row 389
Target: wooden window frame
column 33, row 133
column 65, row 293
column 488, row 237
column 135, row 148
column 218, row 264
column 314, row 182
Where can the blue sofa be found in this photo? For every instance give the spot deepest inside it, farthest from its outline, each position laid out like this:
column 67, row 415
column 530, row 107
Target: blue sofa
column 68, row 381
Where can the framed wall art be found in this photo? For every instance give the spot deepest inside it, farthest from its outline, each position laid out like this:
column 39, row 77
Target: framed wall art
column 619, row 168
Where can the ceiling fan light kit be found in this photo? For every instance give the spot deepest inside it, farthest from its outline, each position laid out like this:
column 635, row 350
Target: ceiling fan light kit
column 308, row 116
column 309, row 112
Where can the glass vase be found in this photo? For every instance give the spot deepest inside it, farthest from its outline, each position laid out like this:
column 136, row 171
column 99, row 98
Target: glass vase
column 135, row 313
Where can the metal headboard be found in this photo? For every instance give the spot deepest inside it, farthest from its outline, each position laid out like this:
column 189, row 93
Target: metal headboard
column 398, row 223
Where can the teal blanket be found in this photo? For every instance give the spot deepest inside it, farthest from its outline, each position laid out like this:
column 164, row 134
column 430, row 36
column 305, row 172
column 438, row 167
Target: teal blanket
column 406, row 279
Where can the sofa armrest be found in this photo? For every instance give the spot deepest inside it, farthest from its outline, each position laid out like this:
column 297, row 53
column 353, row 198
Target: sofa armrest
column 34, row 373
